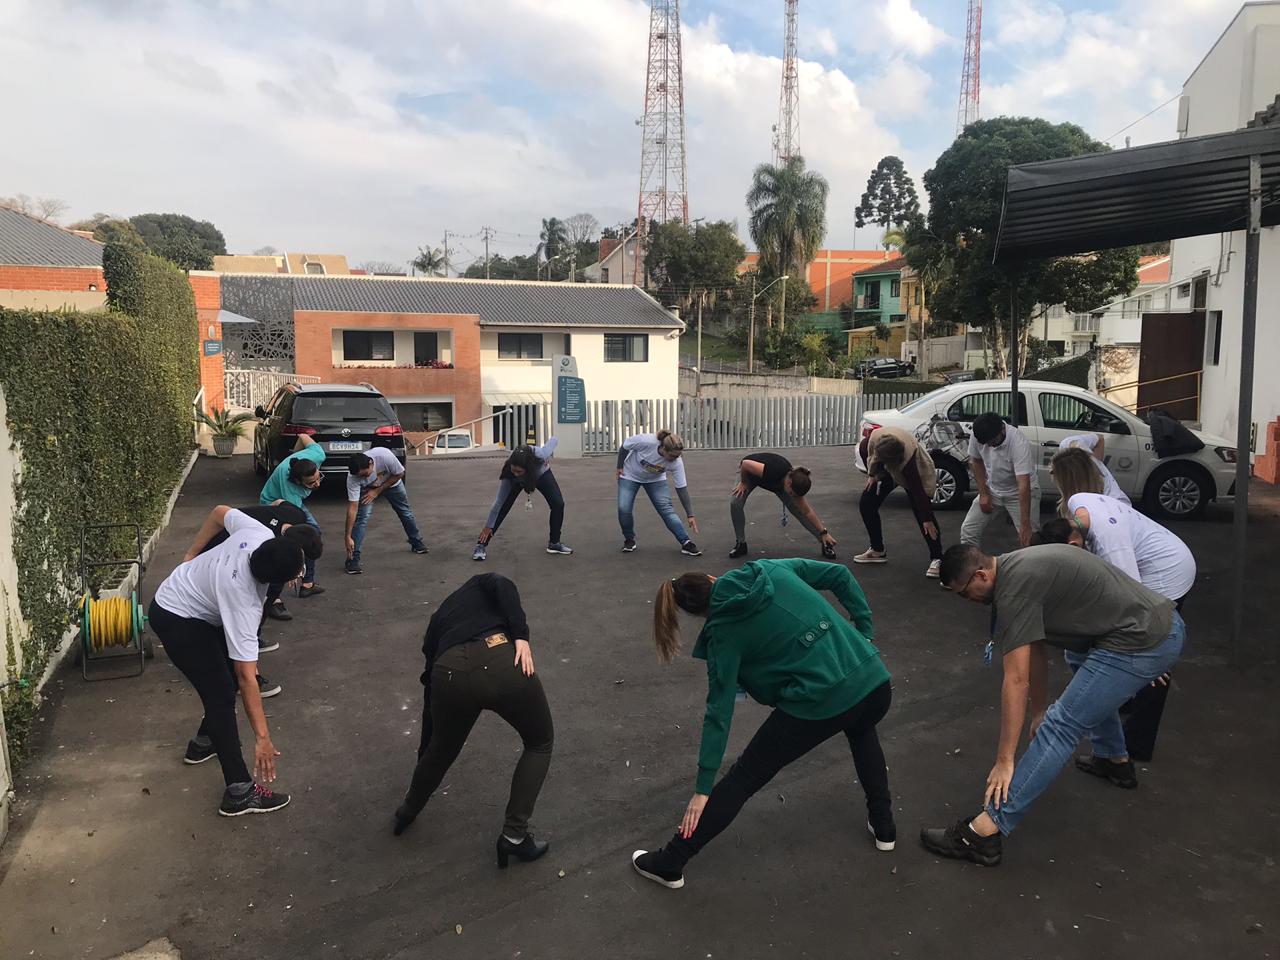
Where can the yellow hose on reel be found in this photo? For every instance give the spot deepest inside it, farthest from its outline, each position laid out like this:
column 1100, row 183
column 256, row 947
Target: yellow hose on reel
column 109, row 622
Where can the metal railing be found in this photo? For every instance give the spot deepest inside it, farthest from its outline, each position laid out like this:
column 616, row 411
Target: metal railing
column 525, row 423
column 1136, row 408
column 249, row 388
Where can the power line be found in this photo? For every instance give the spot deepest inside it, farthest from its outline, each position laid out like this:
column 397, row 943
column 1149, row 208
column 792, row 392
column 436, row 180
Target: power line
column 1141, row 118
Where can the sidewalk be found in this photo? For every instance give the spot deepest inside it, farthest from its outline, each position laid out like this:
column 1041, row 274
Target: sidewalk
column 115, row 843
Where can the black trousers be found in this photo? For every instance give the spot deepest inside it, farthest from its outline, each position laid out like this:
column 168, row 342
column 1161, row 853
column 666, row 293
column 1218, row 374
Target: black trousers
column 869, row 506
column 782, row 739
column 465, row 680
column 199, row 650
column 550, row 491
column 1140, row 717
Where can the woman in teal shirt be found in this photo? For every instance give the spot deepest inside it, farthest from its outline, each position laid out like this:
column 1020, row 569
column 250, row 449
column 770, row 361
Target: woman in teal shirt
column 771, row 633
column 292, row 481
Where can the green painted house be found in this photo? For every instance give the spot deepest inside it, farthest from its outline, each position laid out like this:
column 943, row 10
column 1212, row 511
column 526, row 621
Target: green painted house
column 877, row 294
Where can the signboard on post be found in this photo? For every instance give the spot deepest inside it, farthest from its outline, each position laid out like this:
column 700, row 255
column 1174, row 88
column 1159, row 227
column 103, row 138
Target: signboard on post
column 212, row 348
column 571, row 405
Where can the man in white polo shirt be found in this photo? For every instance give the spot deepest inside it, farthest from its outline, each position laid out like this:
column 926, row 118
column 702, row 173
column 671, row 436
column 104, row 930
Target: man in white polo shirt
column 1004, row 466
column 376, row 473
column 207, row 614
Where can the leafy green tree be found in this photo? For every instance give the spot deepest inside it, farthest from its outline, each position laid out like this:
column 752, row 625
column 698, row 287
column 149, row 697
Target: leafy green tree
column 788, row 206
column 430, row 261
column 553, row 239
column 685, row 263
column 189, row 243
column 956, row 243
column 890, row 198
column 504, row 268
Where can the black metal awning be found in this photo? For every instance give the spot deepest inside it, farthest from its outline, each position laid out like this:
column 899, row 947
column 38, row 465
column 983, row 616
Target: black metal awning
column 1164, row 191
column 1182, row 188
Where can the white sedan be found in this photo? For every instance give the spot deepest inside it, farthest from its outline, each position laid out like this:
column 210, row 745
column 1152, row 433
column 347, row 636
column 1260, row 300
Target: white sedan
column 1177, row 486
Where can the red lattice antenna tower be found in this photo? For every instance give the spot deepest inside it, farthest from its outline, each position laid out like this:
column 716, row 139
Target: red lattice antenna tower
column 971, row 74
column 786, row 135
column 663, row 193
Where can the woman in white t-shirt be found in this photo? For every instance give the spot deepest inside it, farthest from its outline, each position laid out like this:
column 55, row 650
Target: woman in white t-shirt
column 643, row 462
column 1153, row 555
column 1095, row 443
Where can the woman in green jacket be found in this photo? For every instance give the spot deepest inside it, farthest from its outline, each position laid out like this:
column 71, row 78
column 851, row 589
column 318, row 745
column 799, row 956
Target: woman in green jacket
column 771, row 633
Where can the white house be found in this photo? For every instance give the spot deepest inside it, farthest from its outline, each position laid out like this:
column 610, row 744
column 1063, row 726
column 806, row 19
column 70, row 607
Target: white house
column 618, row 263
column 1238, row 78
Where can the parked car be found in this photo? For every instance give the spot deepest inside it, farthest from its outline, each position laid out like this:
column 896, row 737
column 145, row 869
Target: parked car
column 342, row 418
column 1175, row 487
column 959, row 376
column 457, row 441
column 883, row 368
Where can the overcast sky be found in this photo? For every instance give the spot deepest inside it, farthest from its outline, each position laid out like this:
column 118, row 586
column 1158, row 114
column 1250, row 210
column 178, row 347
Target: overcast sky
column 369, row 127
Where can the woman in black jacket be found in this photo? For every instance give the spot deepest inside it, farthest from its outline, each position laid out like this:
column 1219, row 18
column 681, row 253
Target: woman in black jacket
column 478, row 658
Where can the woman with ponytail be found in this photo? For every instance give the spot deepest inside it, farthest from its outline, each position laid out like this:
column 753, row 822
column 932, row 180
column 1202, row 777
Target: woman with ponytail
column 643, row 461
column 528, row 469
column 770, row 632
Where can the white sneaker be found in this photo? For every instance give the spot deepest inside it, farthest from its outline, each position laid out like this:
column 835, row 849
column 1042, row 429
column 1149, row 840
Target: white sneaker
column 935, row 570
column 872, row 556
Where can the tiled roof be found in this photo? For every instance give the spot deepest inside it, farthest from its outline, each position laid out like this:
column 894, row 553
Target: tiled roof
column 496, row 302
column 1153, row 269
column 888, row 266
column 29, row 242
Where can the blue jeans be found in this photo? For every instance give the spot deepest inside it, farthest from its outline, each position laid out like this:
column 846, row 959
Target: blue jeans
column 1103, row 681
column 399, row 500
column 660, row 494
column 309, row 575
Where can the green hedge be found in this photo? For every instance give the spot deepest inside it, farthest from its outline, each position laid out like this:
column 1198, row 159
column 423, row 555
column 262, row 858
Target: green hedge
column 99, row 407
column 1074, row 371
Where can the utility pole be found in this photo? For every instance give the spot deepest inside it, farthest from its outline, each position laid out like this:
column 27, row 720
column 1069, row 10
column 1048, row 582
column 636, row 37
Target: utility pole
column 486, row 232
column 699, row 333
column 446, row 253
column 782, row 313
column 751, row 330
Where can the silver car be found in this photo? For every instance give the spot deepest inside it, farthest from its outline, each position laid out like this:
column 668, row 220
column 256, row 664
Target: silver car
column 1178, row 486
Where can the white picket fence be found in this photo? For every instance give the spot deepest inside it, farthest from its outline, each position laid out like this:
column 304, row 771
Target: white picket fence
column 249, row 388
column 714, row 424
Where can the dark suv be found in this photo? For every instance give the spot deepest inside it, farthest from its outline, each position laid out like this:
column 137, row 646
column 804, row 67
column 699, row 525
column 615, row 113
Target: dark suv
column 343, row 419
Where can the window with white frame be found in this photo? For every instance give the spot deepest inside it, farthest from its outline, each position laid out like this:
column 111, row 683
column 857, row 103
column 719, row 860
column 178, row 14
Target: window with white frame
column 626, row 348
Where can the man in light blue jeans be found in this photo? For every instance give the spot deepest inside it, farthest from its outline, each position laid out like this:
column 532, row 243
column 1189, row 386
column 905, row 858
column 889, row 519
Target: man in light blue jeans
column 376, row 473
column 1118, row 637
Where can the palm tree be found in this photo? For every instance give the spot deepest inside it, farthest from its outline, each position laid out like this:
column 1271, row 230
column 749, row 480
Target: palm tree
column 554, row 236
column 430, row 261
column 894, row 237
column 788, row 207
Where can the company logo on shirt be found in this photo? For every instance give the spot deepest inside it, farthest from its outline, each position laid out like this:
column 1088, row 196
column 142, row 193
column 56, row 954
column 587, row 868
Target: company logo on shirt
column 660, row 467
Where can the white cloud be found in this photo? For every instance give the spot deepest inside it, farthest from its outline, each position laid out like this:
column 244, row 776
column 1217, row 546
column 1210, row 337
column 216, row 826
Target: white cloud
column 903, row 27
column 370, row 129
column 821, row 40
column 1028, row 23
column 902, row 88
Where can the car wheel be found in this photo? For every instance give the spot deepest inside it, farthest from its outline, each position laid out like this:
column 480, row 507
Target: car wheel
column 1178, row 491
column 258, row 466
column 953, row 482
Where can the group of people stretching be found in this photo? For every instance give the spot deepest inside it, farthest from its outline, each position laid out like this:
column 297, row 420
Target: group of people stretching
column 1101, row 582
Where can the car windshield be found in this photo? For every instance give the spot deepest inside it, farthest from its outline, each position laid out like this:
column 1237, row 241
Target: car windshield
column 457, row 440
column 342, row 408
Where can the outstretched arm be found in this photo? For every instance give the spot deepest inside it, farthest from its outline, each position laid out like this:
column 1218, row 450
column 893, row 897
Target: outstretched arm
column 836, row 578
column 211, row 527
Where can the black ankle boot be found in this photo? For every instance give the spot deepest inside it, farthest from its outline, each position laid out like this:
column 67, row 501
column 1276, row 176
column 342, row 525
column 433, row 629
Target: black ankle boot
column 527, row 849
column 403, row 818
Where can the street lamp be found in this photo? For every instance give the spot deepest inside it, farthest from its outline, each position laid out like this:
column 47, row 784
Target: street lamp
column 751, row 329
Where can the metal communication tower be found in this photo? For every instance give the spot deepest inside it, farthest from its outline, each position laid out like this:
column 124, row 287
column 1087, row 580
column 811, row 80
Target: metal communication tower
column 971, row 74
column 786, row 135
column 663, row 193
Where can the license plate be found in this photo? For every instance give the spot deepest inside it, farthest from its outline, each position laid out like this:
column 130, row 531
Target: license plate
column 341, row 446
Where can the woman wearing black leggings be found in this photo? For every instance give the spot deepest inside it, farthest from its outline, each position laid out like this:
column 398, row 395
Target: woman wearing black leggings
column 771, row 633
column 478, row 658
column 894, row 459
column 526, row 469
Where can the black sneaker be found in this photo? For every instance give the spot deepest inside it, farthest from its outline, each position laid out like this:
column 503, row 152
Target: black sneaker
column 419, row 547
column 278, row 611
column 559, row 548
column 1122, row 774
column 690, row 549
column 739, row 550
column 266, row 688
column 257, row 800
column 266, row 646
column 352, row 566
column 198, row 754
column 651, row 867
column 312, row 591
column 628, row 546
column 959, row 842
column 886, row 837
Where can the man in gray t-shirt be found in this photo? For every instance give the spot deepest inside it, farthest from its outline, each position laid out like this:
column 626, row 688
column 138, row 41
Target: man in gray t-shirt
column 1122, row 636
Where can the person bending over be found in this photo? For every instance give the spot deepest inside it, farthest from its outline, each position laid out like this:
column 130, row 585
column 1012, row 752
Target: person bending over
column 1054, row 595
column 478, row 658
column 773, row 472
column 1004, row 467
column 294, row 479
column 643, row 462
column 376, row 473
column 206, row 614
column 528, row 469
column 1096, row 445
column 770, row 632
column 894, row 459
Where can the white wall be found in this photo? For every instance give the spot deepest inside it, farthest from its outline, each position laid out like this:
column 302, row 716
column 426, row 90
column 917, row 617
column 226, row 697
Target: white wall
column 1240, row 76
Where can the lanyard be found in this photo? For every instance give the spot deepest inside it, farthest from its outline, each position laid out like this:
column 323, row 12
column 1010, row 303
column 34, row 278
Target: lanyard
column 989, row 649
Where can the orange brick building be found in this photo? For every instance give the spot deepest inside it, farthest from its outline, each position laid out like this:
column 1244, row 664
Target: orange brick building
column 829, row 273
column 44, row 267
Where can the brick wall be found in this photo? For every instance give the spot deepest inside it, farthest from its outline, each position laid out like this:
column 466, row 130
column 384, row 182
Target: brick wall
column 313, row 356
column 19, row 277
column 208, row 296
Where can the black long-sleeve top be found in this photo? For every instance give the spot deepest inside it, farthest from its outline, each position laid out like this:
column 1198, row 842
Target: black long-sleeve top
column 486, row 604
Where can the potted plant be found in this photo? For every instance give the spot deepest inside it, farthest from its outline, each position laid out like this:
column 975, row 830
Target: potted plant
column 226, row 429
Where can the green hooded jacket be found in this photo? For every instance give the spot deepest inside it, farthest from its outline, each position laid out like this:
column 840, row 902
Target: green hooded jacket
column 771, row 632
